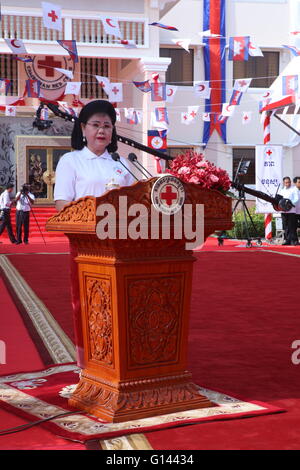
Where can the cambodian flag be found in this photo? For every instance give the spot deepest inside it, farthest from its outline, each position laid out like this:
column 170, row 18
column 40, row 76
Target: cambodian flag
column 293, row 50
column 5, row 85
column 161, row 115
column 289, row 84
column 164, row 26
column 143, row 86
column 239, row 48
column 33, row 88
column 70, row 46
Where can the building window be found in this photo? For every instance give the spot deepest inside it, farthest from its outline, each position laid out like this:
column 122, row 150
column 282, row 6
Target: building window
column 89, row 67
column 263, row 70
column 245, row 154
column 181, row 69
column 9, row 70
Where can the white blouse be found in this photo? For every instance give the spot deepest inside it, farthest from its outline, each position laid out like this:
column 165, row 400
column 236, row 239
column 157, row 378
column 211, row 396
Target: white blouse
column 82, row 173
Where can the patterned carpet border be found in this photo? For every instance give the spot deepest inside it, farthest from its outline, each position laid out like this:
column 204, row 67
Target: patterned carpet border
column 41, row 394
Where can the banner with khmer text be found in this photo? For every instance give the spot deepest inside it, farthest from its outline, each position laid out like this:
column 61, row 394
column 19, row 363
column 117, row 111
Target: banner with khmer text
column 268, row 164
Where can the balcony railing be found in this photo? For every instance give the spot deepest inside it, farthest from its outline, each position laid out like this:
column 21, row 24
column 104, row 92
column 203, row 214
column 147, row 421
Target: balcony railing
column 84, row 30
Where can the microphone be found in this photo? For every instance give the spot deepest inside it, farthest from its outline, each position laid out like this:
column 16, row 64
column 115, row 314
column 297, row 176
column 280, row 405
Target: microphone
column 133, row 158
column 116, row 157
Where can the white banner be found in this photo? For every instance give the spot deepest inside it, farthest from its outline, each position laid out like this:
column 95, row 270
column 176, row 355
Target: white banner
column 268, row 164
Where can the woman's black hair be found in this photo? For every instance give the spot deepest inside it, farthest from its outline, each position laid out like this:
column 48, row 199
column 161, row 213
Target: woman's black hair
column 94, row 107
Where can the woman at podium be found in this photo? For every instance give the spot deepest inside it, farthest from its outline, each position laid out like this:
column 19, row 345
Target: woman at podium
column 86, row 171
column 89, row 167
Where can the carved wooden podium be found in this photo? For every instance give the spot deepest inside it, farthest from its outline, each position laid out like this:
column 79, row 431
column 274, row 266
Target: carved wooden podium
column 135, row 300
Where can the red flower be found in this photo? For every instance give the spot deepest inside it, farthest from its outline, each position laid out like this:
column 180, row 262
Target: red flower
column 192, row 167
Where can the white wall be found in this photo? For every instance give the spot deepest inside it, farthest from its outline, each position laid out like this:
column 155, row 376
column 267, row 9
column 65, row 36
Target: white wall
column 129, row 6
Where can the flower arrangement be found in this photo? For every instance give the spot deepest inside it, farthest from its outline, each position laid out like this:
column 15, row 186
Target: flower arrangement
column 192, row 167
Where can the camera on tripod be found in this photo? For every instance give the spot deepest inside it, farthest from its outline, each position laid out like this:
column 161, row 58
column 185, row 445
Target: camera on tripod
column 41, row 121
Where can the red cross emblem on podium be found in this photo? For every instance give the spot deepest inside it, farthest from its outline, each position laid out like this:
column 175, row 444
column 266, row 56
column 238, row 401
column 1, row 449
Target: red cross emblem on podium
column 168, row 195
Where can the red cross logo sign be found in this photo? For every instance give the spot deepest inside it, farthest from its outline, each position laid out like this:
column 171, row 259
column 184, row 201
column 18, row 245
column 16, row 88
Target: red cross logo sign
column 168, row 195
column 42, row 69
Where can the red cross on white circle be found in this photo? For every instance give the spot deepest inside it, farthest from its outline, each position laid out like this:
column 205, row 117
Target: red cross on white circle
column 168, row 196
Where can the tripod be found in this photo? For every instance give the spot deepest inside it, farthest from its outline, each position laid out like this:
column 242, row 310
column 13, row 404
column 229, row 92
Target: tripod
column 241, row 200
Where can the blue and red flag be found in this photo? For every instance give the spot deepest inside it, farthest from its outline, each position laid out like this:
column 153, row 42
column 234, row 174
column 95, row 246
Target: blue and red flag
column 164, row 26
column 214, row 63
column 33, row 88
column 293, row 50
column 70, row 46
column 235, row 97
column 157, row 140
column 143, row 86
column 239, row 48
column 5, row 85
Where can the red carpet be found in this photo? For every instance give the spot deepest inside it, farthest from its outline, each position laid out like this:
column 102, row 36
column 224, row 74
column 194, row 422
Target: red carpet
column 244, row 319
column 45, row 393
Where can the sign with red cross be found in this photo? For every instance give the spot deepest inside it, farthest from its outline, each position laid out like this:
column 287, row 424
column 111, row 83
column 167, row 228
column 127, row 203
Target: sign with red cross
column 168, row 195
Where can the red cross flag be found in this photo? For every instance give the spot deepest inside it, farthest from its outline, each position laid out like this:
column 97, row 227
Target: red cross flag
column 242, row 84
column 185, row 119
column 111, row 26
column 10, row 110
column 104, row 83
column 247, row 115
column 73, row 88
column 192, row 111
column 115, row 93
column 52, row 16
column 16, row 46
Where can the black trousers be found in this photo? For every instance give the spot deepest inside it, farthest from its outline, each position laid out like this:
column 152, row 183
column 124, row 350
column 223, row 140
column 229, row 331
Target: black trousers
column 289, row 225
column 6, row 223
column 22, row 221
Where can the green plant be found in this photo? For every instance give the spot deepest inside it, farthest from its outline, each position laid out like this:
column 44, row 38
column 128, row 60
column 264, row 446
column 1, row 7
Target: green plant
column 239, row 229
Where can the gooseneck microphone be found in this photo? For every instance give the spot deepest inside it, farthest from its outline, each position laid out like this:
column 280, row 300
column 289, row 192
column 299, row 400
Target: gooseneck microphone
column 133, row 158
column 116, row 157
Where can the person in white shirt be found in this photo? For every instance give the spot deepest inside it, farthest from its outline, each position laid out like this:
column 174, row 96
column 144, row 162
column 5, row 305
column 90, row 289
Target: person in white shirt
column 89, row 167
column 296, row 182
column 85, row 172
column 289, row 219
column 5, row 205
column 24, row 200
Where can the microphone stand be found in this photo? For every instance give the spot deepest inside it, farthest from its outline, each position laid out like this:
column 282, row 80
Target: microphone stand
column 117, row 158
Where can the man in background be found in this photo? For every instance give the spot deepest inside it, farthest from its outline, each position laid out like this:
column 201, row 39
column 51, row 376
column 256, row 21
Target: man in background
column 296, row 181
column 5, row 205
column 289, row 219
column 24, row 200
